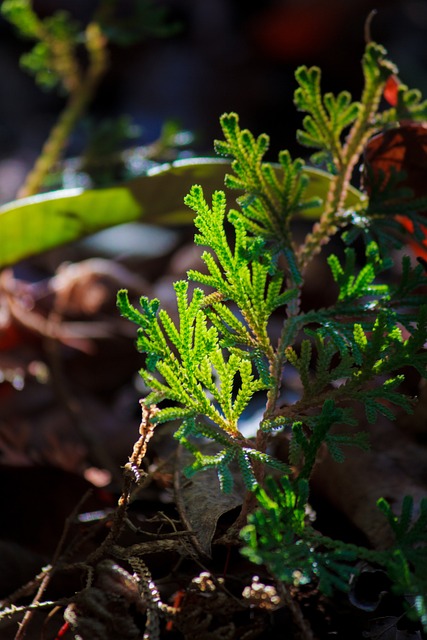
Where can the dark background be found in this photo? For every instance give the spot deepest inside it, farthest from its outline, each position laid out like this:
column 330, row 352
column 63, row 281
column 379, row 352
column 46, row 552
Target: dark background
column 227, row 55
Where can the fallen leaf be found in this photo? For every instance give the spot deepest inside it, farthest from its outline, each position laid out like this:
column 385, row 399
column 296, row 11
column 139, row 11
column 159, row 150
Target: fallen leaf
column 202, row 500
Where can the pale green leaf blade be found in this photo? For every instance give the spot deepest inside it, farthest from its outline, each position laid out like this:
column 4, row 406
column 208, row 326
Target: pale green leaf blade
column 36, row 224
column 33, row 225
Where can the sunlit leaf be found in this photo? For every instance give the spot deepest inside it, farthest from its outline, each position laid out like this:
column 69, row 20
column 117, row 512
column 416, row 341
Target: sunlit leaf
column 33, row 225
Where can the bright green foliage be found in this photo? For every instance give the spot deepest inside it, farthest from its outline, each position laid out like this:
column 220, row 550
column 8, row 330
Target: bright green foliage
column 329, row 115
column 195, row 374
column 205, row 369
column 324, row 126
column 188, row 368
column 21, row 15
column 353, row 285
column 247, row 276
column 272, row 195
column 328, row 118
column 209, row 366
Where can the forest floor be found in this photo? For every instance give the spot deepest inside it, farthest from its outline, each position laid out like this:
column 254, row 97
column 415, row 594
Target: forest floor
column 69, row 417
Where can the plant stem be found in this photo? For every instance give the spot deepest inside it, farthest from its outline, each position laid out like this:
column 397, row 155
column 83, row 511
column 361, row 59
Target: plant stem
column 297, row 615
column 332, row 216
column 81, row 94
column 290, row 328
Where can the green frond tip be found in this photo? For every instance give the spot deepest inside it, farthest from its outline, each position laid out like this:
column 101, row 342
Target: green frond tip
column 127, row 310
column 196, row 200
column 230, row 127
column 376, row 66
column 328, row 116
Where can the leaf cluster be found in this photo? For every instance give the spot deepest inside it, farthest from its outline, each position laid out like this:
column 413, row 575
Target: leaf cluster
column 280, row 536
column 56, row 40
column 272, row 194
column 409, row 107
column 354, row 352
column 329, row 116
column 54, row 59
column 407, row 561
column 197, row 380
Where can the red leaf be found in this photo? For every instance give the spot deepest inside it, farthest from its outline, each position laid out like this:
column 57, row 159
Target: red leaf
column 391, row 90
column 402, row 149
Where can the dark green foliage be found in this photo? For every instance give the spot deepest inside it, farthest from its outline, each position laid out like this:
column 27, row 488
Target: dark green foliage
column 233, row 451
column 142, row 20
column 407, row 564
column 280, row 536
column 54, row 34
column 53, row 59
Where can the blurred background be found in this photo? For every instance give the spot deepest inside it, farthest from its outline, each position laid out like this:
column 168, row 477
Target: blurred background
column 69, row 391
column 221, row 55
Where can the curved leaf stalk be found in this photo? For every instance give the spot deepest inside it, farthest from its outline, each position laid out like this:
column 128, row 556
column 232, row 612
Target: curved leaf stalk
column 376, row 69
column 81, row 92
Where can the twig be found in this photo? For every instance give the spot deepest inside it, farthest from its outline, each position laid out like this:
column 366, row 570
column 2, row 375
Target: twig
column 34, row 606
column 132, row 473
column 24, row 591
column 368, row 22
column 49, row 572
column 301, row 622
column 81, row 95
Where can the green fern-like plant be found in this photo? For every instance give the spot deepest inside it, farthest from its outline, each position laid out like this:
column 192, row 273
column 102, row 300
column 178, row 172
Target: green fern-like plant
column 205, row 369
column 279, row 536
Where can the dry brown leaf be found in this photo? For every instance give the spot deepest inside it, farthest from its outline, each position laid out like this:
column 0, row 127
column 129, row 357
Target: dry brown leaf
column 202, row 500
column 394, row 467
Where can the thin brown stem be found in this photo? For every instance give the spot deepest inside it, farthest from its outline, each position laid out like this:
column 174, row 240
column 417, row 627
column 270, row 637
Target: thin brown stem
column 48, row 572
column 303, row 625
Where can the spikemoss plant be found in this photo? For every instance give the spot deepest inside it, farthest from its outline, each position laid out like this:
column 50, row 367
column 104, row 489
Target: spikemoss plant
column 204, row 370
